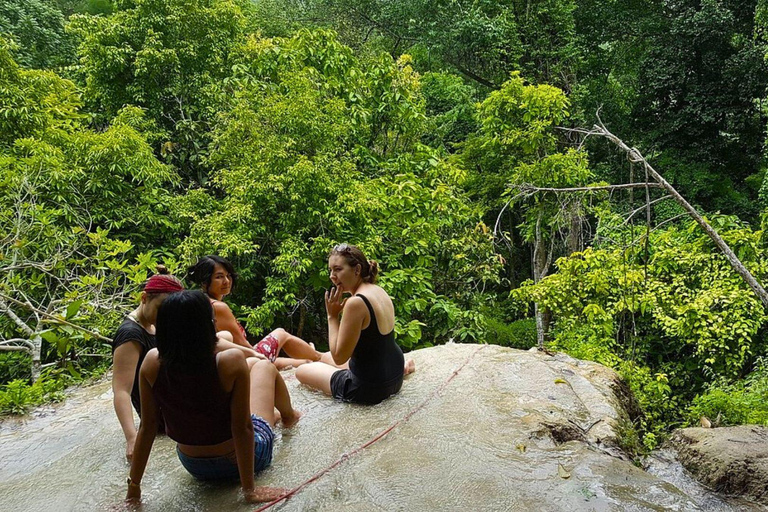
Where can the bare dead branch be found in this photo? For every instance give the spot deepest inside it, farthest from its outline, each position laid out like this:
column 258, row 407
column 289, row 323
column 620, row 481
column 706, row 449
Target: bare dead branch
column 531, row 189
column 5, row 308
column 636, row 157
column 645, row 206
column 28, row 345
column 13, row 348
column 54, row 318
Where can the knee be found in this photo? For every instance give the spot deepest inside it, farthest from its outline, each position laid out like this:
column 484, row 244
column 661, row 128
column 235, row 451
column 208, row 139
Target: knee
column 303, row 372
column 263, row 366
column 280, row 333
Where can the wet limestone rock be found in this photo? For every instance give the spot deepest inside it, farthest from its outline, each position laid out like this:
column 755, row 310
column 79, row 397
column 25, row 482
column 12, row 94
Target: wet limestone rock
column 731, row 460
column 475, row 428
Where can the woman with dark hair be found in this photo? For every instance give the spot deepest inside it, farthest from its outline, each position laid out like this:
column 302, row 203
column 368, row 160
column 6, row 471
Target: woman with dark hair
column 133, row 339
column 216, row 277
column 365, row 365
column 219, row 412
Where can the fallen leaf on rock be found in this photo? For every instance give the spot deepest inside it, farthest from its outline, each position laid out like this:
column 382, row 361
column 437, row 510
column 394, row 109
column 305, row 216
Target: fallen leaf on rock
column 562, row 472
column 561, row 381
column 521, row 447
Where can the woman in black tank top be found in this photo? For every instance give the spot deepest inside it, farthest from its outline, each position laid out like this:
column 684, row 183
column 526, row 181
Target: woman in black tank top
column 364, row 365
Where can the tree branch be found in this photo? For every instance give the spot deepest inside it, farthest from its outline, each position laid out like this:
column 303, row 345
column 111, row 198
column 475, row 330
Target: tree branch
column 27, row 330
column 55, row 318
column 532, row 189
column 636, row 157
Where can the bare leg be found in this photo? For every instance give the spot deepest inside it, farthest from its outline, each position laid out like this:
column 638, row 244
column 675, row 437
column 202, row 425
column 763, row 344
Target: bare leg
column 328, row 359
column 295, row 347
column 409, row 367
column 285, row 363
column 317, row 376
column 267, row 392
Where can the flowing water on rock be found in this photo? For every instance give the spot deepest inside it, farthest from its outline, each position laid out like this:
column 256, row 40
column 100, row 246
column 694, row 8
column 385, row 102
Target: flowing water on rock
column 484, row 443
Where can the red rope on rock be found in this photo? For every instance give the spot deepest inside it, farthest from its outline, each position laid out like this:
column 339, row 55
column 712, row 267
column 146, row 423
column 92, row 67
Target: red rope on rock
column 368, row 443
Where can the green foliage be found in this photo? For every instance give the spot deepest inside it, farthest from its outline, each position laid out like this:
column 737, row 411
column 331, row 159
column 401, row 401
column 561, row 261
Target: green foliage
column 669, row 326
column 17, row 396
column 450, row 109
column 14, row 365
column 734, row 403
column 71, row 198
column 687, row 80
column 168, row 57
column 37, row 29
column 320, row 147
column 517, row 334
column 483, row 40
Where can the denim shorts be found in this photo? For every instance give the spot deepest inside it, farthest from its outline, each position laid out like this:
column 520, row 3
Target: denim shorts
column 225, row 468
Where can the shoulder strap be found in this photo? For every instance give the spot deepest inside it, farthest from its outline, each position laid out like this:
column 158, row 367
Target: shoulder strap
column 373, row 323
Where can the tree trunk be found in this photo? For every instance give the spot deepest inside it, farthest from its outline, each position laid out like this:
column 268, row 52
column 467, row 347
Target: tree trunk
column 575, row 241
column 37, row 341
column 302, row 318
column 540, row 263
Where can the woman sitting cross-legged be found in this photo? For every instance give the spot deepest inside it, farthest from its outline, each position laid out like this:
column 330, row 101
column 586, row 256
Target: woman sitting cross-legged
column 219, row 412
column 365, row 365
column 216, row 277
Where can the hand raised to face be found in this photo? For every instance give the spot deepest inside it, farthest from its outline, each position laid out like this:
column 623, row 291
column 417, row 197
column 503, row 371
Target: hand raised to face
column 334, row 301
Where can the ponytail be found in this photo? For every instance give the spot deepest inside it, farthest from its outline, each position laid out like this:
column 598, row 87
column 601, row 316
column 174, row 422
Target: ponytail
column 373, row 271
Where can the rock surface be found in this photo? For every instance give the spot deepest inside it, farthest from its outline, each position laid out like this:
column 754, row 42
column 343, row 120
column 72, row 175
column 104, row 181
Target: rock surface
column 512, row 430
column 731, row 460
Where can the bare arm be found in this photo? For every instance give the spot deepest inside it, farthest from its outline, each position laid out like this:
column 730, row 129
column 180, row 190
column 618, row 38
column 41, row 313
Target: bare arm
column 125, row 359
column 343, row 334
column 148, row 426
column 226, row 321
column 222, row 345
column 232, row 366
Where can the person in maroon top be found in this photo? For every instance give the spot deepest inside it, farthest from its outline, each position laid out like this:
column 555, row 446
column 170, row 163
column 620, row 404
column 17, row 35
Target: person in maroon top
column 219, row 411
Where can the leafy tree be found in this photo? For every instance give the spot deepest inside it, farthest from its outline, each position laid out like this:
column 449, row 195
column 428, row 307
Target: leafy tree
column 517, row 145
column 670, row 326
column 169, row 58
column 483, row 40
column 320, row 148
column 685, row 79
column 63, row 191
column 37, row 28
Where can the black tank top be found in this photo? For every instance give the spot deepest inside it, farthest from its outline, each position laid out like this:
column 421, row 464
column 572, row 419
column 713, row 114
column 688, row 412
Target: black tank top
column 377, row 359
column 195, row 408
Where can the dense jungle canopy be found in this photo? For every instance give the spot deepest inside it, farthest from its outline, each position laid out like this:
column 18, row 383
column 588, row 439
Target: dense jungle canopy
column 136, row 132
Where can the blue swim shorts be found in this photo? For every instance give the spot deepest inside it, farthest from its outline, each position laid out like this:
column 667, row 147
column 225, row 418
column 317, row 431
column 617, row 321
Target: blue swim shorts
column 225, row 468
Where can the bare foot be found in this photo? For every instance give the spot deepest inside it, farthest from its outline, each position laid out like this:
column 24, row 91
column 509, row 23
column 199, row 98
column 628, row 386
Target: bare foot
column 410, row 367
column 289, row 422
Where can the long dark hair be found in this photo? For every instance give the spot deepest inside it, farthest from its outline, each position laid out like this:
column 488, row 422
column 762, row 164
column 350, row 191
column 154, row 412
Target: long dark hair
column 186, row 334
column 202, row 271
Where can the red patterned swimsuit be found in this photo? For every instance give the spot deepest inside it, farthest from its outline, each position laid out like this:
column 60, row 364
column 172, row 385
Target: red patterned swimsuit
column 269, row 346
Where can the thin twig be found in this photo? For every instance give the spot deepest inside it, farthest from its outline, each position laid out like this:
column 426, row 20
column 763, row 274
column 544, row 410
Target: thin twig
column 55, row 318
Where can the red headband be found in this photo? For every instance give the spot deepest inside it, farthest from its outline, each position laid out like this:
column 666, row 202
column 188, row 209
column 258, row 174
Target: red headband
column 162, row 283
